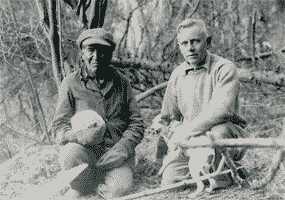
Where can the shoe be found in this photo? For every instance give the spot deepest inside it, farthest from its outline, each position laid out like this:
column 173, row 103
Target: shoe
column 73, row 194
column 221, row 182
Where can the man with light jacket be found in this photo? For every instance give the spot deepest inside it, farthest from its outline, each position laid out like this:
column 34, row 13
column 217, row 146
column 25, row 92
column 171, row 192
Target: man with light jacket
column 202, row 93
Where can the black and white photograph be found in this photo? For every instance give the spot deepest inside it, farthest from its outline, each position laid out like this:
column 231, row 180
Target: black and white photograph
column 142, row 99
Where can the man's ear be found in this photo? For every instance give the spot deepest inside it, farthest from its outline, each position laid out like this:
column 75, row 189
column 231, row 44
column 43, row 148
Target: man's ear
column 83, row 57
column 209, row 40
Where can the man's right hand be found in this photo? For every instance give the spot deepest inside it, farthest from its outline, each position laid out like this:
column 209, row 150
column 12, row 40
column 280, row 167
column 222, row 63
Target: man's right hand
column 89, row 136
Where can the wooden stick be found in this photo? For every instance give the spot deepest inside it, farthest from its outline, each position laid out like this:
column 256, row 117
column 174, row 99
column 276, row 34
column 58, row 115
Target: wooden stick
column 240, row 142
column 172, row 186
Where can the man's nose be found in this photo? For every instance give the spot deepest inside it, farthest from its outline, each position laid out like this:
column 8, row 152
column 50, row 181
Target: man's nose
column 191, row 46
column 95, row 54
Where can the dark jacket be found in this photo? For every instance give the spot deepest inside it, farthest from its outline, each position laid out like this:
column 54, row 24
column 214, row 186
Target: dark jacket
column 115, row 103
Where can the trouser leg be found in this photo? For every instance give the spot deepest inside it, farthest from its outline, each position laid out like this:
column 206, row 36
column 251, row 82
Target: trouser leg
column 176, row 170
column 224, row 131
column 111, row 183
column 161, row 148
column 179, row 167
column 72, row 155
column 116, row 182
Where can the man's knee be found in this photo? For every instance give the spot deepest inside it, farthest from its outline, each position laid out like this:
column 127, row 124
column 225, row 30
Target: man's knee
column 228, row 130
column 167, row 177
column 117, row 182
column 72, row 155
column 221, row 131
column 161, row 148
column 175, row 172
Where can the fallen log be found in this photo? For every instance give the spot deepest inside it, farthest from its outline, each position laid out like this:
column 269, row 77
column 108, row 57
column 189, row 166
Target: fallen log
column 149, row 92
column 168, row 66
column 250, row 143
column 245, row 75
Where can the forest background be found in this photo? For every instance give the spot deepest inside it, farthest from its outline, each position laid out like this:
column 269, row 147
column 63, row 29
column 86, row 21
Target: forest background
column 248, row 32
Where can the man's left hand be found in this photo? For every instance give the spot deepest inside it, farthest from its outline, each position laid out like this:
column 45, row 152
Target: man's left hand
column 114, row 158
column 182, row 134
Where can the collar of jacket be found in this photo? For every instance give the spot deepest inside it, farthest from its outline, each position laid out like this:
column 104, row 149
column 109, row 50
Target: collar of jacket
column 206, row 65
column 84, row 74
column 90, row 83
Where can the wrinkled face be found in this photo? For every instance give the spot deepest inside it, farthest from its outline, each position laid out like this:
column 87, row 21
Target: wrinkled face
column 97, row 58
column 193, row 44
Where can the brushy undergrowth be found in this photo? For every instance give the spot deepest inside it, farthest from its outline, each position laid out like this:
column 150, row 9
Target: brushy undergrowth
column 255, row 104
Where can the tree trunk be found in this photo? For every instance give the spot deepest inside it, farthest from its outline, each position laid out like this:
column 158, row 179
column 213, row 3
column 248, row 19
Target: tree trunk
column 97, row 14
column 54, row 39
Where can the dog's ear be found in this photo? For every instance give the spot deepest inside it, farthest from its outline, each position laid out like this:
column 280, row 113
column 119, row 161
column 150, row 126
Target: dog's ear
column 167, row 118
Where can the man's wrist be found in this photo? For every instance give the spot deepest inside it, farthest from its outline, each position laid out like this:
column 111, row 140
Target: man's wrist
column 67, row 136
column 61, row 137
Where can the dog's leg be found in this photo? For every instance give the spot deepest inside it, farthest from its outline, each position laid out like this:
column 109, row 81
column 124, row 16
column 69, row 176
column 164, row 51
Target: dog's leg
column 233, row 168
column 200, row 188
column 195, row 166
column 211, row 180
column 200, row 184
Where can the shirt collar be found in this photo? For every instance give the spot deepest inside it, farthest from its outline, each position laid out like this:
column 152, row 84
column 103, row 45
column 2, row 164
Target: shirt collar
column 206, row 65
column 83, row 73
column 92, row 84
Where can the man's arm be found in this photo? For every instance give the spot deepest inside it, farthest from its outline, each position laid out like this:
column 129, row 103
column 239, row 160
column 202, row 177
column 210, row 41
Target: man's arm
column 131, row 137
column 134, row 133
column 64, row 111
column 61, row 125
column 222, row 106
column 169, row 104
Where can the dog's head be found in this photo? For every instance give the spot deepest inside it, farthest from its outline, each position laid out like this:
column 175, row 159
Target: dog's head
column 160, row 122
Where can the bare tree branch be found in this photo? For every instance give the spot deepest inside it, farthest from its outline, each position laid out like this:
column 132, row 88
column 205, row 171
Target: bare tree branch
column 254, row 18
column 43, row 11
column 172, row 186
column 39, row 48
column 35, row 93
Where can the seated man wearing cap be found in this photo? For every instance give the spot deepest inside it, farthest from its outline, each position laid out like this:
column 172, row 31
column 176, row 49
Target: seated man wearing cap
column 108, row 148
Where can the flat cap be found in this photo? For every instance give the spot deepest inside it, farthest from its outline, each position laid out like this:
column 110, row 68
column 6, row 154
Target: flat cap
column 96, row 36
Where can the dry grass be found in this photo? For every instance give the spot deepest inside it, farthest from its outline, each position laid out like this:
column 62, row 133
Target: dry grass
column 22, row 176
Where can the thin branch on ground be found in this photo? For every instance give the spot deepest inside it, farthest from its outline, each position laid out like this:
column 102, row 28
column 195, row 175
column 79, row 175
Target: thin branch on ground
column 172, row 186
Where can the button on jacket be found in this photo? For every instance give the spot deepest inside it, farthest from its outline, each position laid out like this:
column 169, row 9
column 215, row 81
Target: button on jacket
column 114, row 102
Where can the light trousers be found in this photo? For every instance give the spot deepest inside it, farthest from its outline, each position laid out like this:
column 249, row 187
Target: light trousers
column 178, row 168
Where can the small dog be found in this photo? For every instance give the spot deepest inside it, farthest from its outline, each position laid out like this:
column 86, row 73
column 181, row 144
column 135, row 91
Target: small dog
column 201, row 159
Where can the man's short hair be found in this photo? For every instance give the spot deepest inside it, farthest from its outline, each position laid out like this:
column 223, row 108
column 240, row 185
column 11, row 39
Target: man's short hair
column 190, row 23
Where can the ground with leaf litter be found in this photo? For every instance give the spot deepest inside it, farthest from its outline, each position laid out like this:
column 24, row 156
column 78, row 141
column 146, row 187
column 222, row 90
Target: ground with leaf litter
column 32, row 170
